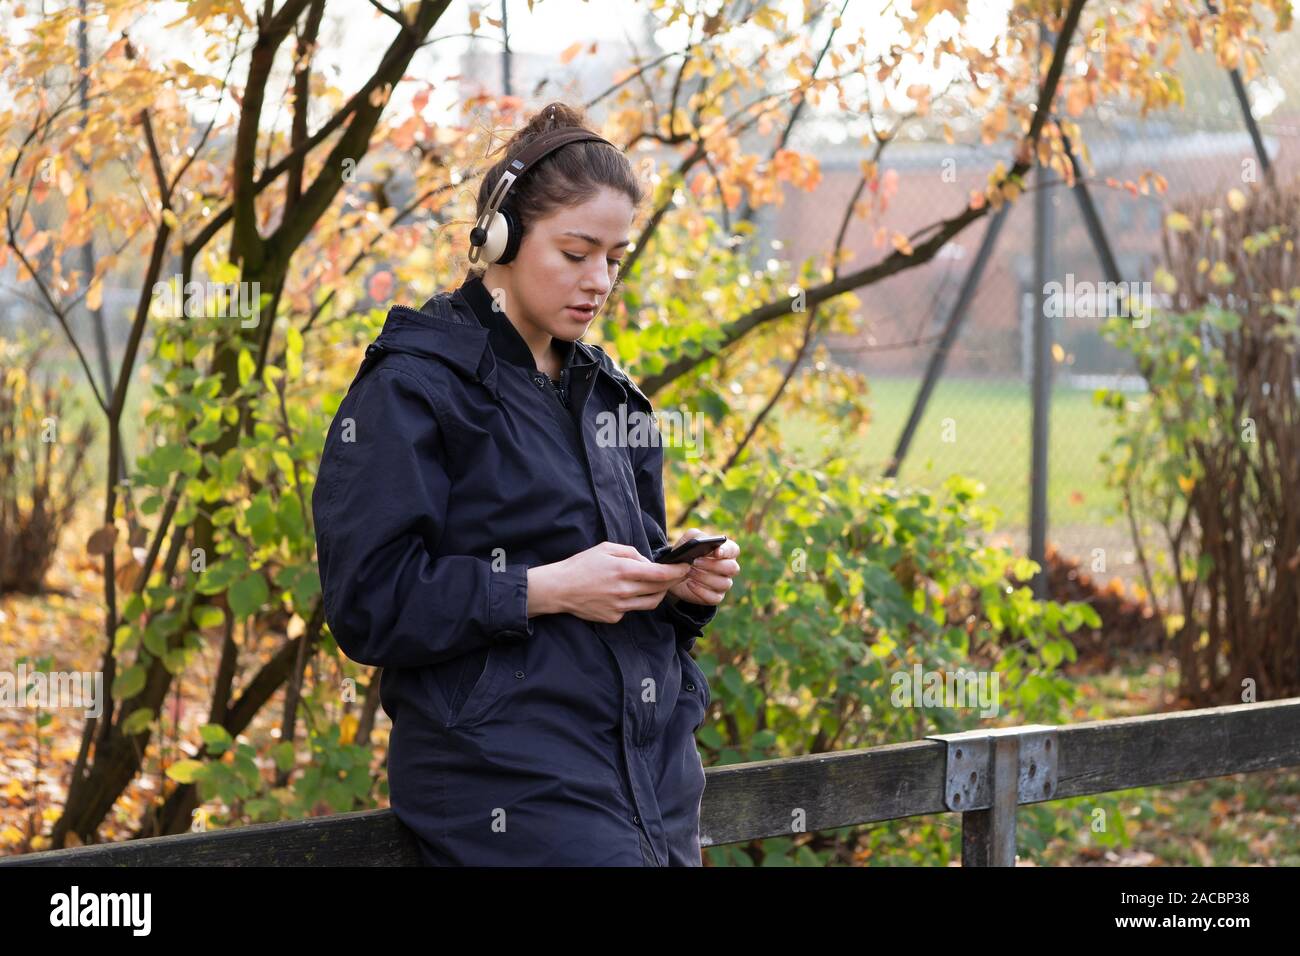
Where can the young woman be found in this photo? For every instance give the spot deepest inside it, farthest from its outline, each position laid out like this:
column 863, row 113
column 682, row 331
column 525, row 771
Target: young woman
column 484, row 540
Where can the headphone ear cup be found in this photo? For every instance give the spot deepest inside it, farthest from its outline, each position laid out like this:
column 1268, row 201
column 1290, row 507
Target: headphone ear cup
column 498, row 238
column 514, row 235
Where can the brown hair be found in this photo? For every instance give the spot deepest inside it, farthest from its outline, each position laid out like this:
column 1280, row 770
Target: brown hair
column 572, row 174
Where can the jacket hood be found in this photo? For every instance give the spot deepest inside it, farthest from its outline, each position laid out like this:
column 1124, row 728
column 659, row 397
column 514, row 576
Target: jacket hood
column 438, row 331
column 445, row 329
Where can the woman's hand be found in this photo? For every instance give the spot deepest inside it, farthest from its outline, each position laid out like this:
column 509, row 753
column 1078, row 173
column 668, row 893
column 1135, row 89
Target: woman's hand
column 601, row 584
column 711, row 575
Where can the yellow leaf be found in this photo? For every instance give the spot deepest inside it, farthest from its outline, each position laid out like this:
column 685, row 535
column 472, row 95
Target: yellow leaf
column 77, row 201
column 1178, row 222
column 570, row 51
column 348, row 724
column 1221, row 274
column 1058, row 353
column 901, row 244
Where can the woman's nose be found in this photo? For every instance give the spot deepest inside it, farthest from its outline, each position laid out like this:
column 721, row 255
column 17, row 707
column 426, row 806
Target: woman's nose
column 598, row 282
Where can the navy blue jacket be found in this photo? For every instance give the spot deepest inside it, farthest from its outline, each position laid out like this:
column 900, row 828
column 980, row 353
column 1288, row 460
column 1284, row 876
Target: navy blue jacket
column 451, row 467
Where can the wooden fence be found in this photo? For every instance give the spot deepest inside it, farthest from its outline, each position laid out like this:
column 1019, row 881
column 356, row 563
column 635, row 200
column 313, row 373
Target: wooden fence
column 984, row 775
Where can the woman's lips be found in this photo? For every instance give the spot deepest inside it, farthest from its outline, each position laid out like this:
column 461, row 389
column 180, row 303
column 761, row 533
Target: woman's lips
column 580, row 313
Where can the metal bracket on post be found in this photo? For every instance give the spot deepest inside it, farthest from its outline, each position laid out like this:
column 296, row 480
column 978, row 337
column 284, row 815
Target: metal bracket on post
column 987, row 775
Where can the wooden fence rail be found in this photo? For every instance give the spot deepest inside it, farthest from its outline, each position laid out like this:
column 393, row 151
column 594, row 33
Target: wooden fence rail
column 984, row 775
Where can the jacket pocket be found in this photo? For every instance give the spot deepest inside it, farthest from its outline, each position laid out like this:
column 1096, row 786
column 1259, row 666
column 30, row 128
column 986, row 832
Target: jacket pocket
column 466, row 684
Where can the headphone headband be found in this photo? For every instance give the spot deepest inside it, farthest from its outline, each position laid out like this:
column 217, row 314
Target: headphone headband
column 529, row 156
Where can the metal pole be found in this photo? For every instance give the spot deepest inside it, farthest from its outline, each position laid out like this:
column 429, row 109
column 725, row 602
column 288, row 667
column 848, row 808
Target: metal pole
column 1239, row 88
column 934, row 368
column 1042, row 352
column 1096, row 231
column 505, row 53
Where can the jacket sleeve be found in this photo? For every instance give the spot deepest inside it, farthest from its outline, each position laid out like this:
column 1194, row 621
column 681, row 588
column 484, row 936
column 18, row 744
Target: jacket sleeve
column 687, row 618
column 379, row 505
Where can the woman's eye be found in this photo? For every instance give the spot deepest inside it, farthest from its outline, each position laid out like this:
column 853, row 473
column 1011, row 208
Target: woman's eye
column 571, row 257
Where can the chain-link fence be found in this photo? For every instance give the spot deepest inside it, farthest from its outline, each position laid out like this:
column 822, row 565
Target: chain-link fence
column 978, row 420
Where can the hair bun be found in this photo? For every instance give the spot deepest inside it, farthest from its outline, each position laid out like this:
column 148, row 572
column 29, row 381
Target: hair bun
column 552, row 116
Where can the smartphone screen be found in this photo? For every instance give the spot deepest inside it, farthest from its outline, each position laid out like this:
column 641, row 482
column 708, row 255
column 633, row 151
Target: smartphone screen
column 690, row 550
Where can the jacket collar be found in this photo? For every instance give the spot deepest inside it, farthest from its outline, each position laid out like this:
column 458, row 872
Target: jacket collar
column 447, row 328
column 504, row 338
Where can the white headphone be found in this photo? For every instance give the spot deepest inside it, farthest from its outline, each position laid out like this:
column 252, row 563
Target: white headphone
column 497, row 233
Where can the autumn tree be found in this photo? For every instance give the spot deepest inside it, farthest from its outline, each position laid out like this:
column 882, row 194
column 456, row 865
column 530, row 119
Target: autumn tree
column 206, row 534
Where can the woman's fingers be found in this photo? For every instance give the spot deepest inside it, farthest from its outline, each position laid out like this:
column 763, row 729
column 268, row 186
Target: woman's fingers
column 716, row 567
column 647, row 574
column 706, row 595
column 642, row 602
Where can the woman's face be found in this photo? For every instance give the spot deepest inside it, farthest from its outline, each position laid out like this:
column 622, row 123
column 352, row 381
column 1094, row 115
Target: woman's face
column 568, row 259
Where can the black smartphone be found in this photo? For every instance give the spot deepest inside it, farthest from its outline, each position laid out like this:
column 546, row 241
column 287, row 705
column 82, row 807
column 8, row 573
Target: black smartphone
column 690, row 550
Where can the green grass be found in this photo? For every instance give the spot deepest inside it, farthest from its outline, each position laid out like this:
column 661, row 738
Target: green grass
column 990, row 440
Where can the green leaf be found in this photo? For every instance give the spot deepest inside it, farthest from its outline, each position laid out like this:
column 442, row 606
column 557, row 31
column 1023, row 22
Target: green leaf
column 133, row 608
column 216, row 738
column 261, row 520
column 1053, row 654
column 176, row 659
column 1024, row 569
column 124, row 638
column 185, row 771
column 1090, row 616
column 129, row 683
column 206, row 432
column 283, row 755
column 289, row 517
column 137, row 722
column 207, row 616
column 248, row 594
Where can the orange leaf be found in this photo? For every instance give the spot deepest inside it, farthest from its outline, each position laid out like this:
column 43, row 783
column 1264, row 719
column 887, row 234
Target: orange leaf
column 101, row 542
column 380, row 287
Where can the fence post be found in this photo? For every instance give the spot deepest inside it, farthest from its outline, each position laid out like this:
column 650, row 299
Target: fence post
column 988, row 774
